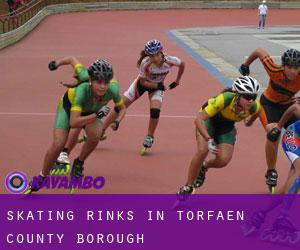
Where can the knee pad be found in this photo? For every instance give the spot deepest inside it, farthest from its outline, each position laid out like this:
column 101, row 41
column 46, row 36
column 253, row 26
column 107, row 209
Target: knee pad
column 154, row 113
column 295, row 187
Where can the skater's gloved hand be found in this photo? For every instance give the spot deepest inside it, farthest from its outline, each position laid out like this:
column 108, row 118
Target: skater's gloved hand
column 212, row 146
column 244, row 70
column 52, row 65
column 115, row 125
column 274, row 134
column 173, row 85
column 102, row 112
column 161, row 86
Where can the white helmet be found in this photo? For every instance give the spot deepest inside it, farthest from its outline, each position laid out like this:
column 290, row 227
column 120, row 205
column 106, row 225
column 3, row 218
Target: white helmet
column 246, row 85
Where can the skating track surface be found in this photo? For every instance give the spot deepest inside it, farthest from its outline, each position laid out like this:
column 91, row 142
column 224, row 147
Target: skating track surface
column 30, row 93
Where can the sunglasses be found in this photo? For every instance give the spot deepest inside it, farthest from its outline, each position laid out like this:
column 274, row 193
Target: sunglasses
column 249, row 97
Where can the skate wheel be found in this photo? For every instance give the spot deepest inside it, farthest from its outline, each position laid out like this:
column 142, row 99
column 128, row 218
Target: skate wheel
column 60, row 169
column 103, row 137
column 272, row 190
column 66, row 171
column 266, row 235
column 284, row 239
column 295, row 238
column 248, row 229
column 143, row 151
column 28, row 191
column 275, row 237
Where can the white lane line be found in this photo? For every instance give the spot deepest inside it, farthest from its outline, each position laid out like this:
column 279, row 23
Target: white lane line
column 288, row 40
column 129, row 115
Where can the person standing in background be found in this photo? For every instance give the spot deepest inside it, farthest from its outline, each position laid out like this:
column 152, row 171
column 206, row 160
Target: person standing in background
column 262, row 8
column 10, row 6
column 13, row 5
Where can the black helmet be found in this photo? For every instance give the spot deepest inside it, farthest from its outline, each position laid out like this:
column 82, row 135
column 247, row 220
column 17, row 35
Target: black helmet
column 101, row 70
column 291, row 58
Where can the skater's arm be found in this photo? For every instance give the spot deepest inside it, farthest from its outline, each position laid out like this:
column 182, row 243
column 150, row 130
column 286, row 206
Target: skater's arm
column 274, row 134
column 258, row 53
column 142, row 78
column 122, row 111
column 115, row 118
column 181, row 68
column 249, row 121
column 121, row 114
column 78, row 121
column 71, row 60
column 119, row 109
column 254, row 113
column 292, row 110
column 199, row 122
column 179, row 75
column 214, row 105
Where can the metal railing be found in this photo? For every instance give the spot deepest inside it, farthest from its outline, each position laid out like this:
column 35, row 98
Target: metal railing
column 24, row 13
column 16, row 19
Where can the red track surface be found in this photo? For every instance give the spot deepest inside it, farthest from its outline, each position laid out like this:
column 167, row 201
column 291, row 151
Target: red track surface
column 28, row 87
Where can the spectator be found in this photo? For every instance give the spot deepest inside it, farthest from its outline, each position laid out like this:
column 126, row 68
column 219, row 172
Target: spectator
column 10, row 6
column 262, row 8
column 13, row 5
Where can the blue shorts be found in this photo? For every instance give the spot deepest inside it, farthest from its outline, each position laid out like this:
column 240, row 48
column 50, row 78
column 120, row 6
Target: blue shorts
column 291, row 143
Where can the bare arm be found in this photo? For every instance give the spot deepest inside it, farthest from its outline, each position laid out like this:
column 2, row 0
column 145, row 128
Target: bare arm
column 121, row 113
column 274, row 134
column 180, row 72
column 71, row 60
column 258, row 53
column 53, row 65
column 248, row 122
column 199, row 122
column 78, row 121
column 292, row 110
column 118, row 117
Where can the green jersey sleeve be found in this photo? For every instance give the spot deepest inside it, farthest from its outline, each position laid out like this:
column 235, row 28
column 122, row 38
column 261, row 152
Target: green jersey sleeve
column 115, row 91
column 81, row 73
